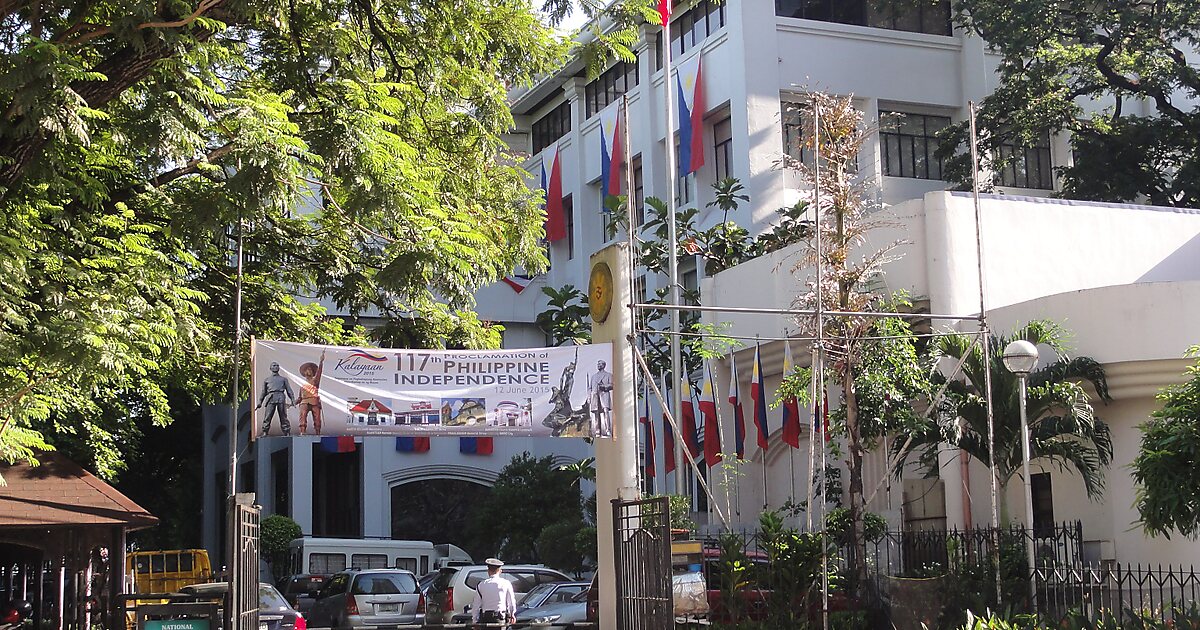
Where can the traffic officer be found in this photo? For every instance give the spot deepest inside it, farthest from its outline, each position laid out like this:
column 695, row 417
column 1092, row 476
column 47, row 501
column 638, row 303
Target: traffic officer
column 495, row 601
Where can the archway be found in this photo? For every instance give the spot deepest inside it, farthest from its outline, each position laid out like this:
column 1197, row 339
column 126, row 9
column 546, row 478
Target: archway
column 437, row 510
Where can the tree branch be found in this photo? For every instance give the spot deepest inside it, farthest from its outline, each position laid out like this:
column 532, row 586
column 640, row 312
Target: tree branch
column 192, row 166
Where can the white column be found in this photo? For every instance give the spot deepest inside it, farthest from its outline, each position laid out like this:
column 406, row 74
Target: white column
column 302, row 499
column 616, row 458
column 375, row 522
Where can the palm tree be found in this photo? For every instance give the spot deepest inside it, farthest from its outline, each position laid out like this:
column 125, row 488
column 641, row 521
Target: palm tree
column 1063, row 427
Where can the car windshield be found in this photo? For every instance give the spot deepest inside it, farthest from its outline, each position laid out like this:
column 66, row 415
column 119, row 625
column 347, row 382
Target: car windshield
column 270, row 599
column 384, row 584
column 535, row 594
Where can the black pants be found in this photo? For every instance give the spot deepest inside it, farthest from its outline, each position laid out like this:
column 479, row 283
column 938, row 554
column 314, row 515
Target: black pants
column 492, row 617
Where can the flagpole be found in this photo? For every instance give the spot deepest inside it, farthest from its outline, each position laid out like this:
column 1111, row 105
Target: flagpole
column 820, row 369
column 672, row 236
column 763, row 394
column 812, row 438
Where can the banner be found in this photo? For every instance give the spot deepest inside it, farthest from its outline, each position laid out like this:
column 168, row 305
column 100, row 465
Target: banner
column 305, row 389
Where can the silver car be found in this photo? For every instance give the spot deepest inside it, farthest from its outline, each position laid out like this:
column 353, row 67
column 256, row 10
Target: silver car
column 369, row 598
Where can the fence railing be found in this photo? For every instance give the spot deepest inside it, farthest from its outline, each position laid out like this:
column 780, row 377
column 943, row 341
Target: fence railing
column 1119, row 591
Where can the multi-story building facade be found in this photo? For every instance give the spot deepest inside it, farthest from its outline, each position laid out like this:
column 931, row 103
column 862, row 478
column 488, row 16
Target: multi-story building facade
column 912, row 74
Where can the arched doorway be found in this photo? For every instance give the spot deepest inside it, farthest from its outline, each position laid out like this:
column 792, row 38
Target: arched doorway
column 437, row 510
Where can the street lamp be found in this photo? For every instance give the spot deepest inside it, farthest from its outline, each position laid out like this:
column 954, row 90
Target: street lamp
column 1020, row 357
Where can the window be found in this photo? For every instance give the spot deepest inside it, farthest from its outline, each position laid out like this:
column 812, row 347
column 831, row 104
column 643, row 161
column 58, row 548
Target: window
column 722, row 148
column 568, row 207
column 336, row 585
column 368, row 561
column 691, row 28
column 922, row 18
column 793, row 132
column 408, row 564
column 610, row 86
column 326, row 563
column 384, row 584
column 908, row 143
column 552, row 126
column 683, row 193
column 1025, row 167
column 639, row 194
column 1043, row 503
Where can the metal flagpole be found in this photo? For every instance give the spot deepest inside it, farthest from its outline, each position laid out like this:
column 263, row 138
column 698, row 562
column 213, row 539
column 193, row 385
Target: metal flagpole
column 820, row 369
column 672, row 243
column 985, row 343
column 812, row 438
column 232, row 574
column 633, row 298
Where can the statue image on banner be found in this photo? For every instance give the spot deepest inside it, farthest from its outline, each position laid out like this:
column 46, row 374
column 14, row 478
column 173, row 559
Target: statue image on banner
column 346, row 391
column 564, row 420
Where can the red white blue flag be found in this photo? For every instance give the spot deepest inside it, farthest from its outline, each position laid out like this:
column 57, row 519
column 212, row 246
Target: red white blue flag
column 341, row 444
column 664, row 11
column 791, row 409
column 687, row 423
column 612, row 153
column 647, row 422
column 739, row 418
column 690, row 85
column 758, row 393
column 412, row 444
column 475, row 445
column 712, row 428
column 556, row 223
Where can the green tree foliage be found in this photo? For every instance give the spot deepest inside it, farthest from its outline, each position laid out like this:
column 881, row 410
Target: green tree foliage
column 1064, row 430
column 356, row 145
column 1116, row 76
column 565, row 318
column 530, row 494
column 1167, row 467
column 275, row 533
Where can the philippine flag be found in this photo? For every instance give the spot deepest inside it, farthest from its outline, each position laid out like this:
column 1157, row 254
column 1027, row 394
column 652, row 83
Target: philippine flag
column 556, row 223
column 708, row 409
column 791, row 410
column 668, row 436
column 690, row 84
column 406, row 444
column 646, row 421
column 739, row 418
column 687, row 423
column 758, row 393
column 612, row 154
column 664, row 11
column 341, row 444
column 517, row 283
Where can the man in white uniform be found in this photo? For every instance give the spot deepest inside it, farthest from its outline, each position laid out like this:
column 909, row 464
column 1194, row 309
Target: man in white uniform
column 495, row 601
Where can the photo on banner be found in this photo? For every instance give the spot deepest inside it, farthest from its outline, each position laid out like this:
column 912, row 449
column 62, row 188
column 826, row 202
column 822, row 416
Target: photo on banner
column 307, row 389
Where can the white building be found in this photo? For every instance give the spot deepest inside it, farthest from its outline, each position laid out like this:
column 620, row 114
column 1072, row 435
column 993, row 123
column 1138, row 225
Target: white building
column 1128, row 306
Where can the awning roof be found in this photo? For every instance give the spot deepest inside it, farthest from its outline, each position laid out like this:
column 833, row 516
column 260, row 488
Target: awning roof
column 60, row 493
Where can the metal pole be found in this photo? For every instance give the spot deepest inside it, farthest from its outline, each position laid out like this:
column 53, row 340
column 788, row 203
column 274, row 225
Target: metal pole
column 820, row 344
column 1030, row 552
column 673, row 246
column 801, row 312
column 631, row 257
column 987, row 359
column 231, row 511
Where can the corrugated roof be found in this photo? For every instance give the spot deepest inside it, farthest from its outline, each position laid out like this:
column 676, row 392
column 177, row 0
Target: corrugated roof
column 61, row 493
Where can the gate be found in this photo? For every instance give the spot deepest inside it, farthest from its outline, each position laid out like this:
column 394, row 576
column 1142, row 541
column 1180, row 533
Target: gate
column 243, row 568
column 642, row 532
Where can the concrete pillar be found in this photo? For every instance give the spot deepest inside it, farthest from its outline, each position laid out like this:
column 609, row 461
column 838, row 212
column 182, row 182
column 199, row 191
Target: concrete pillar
column 375, row 522
column 616, row 458
column 116, row 577
column 302, row 490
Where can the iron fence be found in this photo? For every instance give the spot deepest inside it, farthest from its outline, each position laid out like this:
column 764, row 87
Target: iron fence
column 1119, row 592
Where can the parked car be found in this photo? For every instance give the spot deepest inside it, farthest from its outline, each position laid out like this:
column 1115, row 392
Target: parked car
column 550, row 593
column 374, row 597
column 560, row 615
column 301, row 590
column 274, row 612
column 453, row 590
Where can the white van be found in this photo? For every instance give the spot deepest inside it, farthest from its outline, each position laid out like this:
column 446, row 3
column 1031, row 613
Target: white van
column 326, row 556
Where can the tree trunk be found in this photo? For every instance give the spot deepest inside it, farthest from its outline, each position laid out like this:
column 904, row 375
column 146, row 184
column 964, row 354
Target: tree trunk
column 858, row 546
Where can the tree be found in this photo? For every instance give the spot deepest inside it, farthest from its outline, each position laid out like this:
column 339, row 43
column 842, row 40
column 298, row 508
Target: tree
column 529, row 495
column 363, row 167
column 1064, row 430
column 276, row 532
column 873, row 359
column 564, row 319
column 1167, row 467
column 1116, row 77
